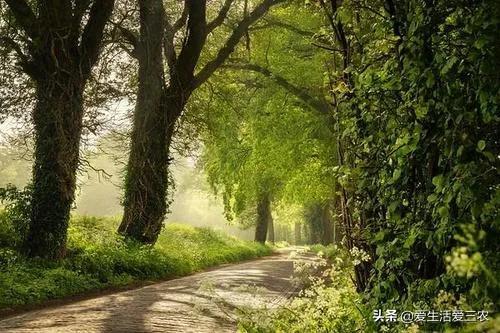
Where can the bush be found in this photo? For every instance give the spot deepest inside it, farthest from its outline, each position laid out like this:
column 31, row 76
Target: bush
column 8, row 235
column 14, row 218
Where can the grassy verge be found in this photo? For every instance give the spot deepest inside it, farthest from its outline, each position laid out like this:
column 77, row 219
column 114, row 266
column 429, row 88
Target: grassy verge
column 98, row 258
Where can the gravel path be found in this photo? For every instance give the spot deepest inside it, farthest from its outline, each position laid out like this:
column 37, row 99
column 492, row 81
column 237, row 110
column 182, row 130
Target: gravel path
column 202, row 302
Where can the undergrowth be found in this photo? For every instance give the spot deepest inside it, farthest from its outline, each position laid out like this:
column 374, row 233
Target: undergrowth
column 330, row 303
column 98, row 258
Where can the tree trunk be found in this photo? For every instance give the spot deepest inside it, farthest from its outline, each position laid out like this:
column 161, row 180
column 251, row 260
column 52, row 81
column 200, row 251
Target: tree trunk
column 263, row 213
column 58, row 124
column 297, row 231
column 306, row 228
column 146, row 182
column 327, row 232
column 334, row 230
column 270, row 232
column 146, row 179
column 314, row 218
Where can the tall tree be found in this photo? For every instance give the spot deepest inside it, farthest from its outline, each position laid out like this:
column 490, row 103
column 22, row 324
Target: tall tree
column 318, row 217
column 59, row 45
column 145, row 201
column 146, row 181
column 269, row 135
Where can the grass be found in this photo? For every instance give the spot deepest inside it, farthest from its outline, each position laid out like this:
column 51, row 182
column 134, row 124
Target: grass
column 98, row 258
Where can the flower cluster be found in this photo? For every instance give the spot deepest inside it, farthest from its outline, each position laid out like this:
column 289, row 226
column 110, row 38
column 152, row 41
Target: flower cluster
column 463, row 264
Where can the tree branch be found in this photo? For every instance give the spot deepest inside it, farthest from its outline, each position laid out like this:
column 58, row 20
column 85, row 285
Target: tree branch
column 24, row 16
column 300, row 93
column 221, row 16
column 272, row 22
column 128, row 34
column 390, row 7
column 11, row 44
column 168, row 45
column 80, row 9
column 327, row 47
column 170, row 31
column 232, row 41
column 182, row 19
column 191, row 50
column 100, row 13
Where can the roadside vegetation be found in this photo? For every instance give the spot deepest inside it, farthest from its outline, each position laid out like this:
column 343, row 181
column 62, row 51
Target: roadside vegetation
column 97, row 258
column 329, row 302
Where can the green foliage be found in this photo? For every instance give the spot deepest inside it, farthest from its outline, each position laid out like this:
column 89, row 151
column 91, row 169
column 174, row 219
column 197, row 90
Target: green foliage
column 329, row 304
column 98, row 258
column 421, row 122
column 416, row 121
column 14, row 218
column 259, row 136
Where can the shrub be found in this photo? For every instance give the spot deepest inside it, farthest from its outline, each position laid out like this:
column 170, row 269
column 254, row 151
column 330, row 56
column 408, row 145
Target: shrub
column 14, row 218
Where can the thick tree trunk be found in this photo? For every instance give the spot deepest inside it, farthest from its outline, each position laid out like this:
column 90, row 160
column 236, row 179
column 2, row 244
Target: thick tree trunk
column 297, row 230
column 146, row 182
column 263, row 214
column 146, row 179
column 61, row 49
column 58, row 124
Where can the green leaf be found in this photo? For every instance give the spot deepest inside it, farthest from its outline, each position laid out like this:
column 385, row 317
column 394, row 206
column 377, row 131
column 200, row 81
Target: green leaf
column 393, row 206
column 380, row 236
column 421, row 111
column 379, row 264
column 396, row 174
column 438, row 181
column 430, row 80
column 431, row 198
column 444, row 212
column 449, row 64
column 481, row 145
column 410, row 240
column 480, row 42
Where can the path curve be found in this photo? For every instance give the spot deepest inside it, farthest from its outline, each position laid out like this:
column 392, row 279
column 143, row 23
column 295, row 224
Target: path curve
column 186, row 304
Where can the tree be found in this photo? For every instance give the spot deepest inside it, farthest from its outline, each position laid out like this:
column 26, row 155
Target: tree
column 57, row 47
column 155, row 118
column 318, row 217
column 271, row 136
column 264, row 219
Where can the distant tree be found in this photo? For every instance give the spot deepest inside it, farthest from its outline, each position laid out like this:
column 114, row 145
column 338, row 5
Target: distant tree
column 268, row 131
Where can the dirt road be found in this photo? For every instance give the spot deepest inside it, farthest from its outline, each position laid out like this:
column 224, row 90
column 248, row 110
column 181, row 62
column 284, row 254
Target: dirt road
column 188, row 304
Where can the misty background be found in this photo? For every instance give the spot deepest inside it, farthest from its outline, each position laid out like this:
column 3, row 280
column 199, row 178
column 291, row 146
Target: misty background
column 99, row 187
